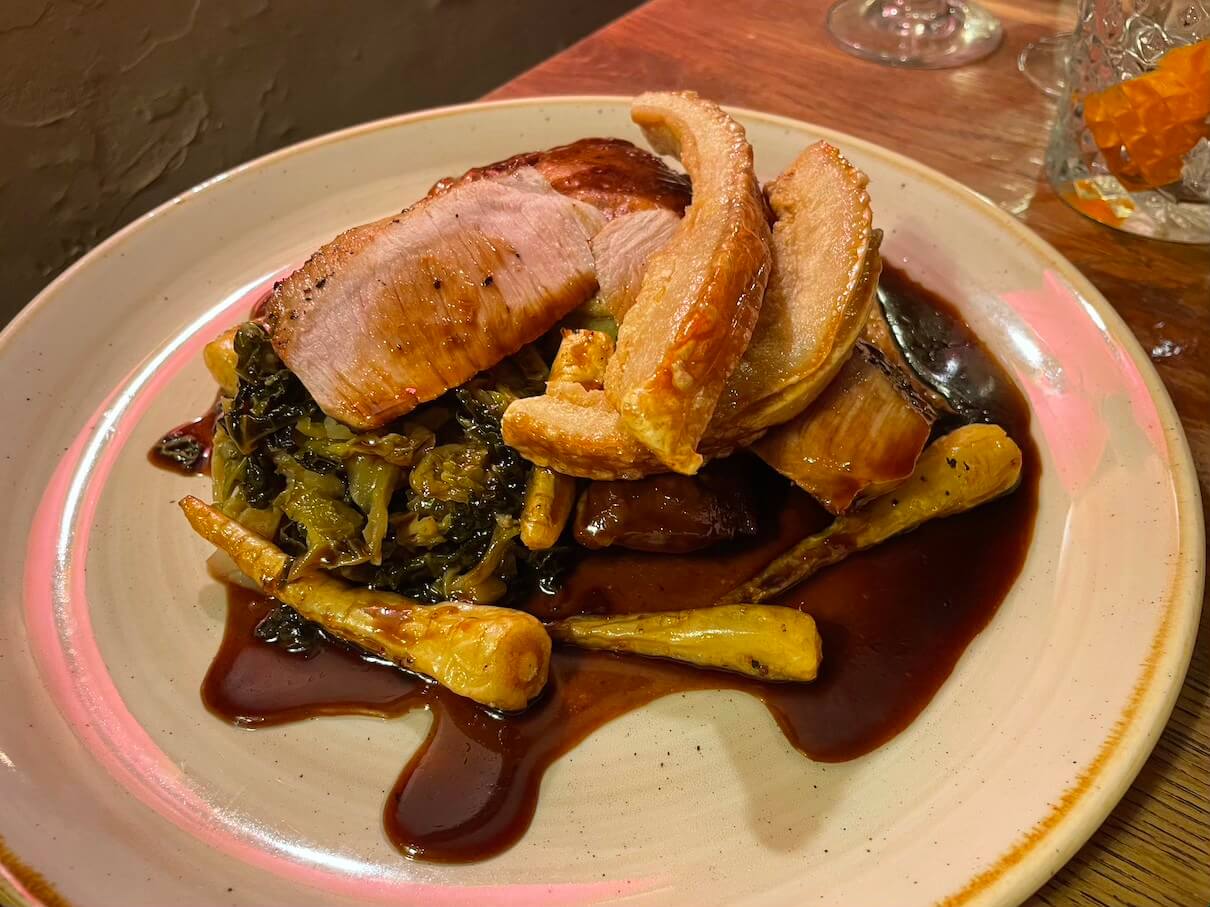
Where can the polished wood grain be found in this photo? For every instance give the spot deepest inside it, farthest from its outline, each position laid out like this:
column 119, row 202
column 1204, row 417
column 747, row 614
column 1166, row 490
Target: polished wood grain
column 986, row 126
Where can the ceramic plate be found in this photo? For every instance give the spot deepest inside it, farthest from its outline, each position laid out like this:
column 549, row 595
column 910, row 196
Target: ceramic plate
column 118, row 788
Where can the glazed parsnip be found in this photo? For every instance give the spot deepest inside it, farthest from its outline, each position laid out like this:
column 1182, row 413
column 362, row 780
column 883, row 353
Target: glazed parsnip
column 549, row 497
column 968, row 467
column 496, row 656
column 767, row 642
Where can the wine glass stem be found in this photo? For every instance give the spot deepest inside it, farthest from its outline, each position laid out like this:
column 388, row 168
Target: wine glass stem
column 927, row 34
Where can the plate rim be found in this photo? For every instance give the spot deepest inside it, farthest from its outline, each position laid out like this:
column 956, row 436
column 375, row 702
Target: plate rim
column 1099, row 787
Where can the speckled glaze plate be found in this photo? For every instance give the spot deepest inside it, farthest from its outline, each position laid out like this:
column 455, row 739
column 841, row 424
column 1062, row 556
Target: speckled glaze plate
column 118, row 788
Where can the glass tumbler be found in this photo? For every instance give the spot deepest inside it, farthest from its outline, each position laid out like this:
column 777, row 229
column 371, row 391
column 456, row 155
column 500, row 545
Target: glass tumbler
column 1131, row 144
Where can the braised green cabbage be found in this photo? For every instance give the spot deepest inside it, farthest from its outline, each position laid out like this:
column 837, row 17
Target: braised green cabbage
column 428, row 506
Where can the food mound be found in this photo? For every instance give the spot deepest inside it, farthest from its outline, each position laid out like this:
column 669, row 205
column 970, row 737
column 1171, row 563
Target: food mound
column 441, row 411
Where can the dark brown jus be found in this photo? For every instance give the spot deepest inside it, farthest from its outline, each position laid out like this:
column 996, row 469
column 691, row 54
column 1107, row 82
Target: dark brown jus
column 894, row 622
column 186, row 449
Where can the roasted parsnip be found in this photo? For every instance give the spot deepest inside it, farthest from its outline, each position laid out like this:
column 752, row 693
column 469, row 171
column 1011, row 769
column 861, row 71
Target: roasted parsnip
column 549, row 497
column 966, row 468
column 496, row 656
column 763, row 641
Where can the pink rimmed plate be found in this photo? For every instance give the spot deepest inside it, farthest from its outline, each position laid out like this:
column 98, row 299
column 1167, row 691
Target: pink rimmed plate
column 117, row 788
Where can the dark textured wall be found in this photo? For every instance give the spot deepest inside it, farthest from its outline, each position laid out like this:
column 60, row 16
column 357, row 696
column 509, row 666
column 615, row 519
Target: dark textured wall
column 109, row 107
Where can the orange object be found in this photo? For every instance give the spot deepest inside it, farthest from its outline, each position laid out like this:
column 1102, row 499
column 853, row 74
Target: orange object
column 1145, row 125
column 1085, row 196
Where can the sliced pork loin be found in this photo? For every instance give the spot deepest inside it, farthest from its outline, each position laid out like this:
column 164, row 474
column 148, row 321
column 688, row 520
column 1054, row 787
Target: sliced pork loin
column 622, row 250
column 392, row 314
column 612, row 175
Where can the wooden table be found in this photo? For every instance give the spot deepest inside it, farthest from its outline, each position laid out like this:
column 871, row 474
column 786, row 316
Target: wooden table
column 986, row 126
